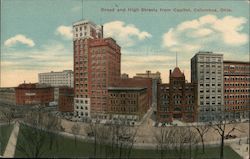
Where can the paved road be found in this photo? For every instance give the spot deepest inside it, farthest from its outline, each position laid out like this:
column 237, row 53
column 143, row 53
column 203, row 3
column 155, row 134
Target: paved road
column 11, row 146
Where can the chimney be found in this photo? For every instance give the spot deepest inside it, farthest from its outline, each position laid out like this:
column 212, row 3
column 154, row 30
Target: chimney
column 102, row 32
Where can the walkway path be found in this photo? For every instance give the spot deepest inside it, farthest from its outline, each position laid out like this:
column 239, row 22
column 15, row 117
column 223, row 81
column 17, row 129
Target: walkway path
column 11, row 146
column 242, row 148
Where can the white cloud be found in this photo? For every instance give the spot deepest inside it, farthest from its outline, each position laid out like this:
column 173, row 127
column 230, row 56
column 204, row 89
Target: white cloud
column 19, row 38
column 64, row 31
column 230, row 28
column 192, row 35
column 169, row 39
column 125, row 34
column 202, row 32
column 25, row 65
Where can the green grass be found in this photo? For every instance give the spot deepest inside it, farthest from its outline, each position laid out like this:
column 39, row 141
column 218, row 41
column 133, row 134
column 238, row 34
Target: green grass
column 5, row 131
column 67, row 148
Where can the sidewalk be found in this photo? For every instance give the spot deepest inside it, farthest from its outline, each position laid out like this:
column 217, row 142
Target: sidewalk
column 242, row 149
column 11, row 146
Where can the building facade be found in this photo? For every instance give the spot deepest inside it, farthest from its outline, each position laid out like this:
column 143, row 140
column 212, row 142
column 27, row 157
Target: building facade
column 34, row 94
column 57, row 79
column 8, row 96
column 97, row 63
column 177, row 100
column 66, row 100
column 156, row 79
column 129, row 103
column 138, row 82
column 207, row 72
column 237, row 89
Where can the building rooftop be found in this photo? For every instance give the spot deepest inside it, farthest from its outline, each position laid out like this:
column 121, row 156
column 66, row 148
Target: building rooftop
column 126, row 88
column 207, row 52
column 177, row 73
column 236, row 62
column 79, row 22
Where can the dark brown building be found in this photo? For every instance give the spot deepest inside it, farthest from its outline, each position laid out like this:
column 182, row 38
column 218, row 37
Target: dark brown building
column 177, row 99
column 34, row 93
column 138, row 82
column 66, row 100
column 237, row 89
column 128, row 103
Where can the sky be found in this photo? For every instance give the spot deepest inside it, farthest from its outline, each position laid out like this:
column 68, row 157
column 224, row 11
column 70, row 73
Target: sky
column 36, row 35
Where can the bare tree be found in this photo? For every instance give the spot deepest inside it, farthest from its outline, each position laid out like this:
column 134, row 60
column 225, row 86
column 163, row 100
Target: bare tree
column 161, row 137
column 176, row 139
column 223, row 129
column 35, row 132
column 75, row 130
column 7, row 115
column 202, row 130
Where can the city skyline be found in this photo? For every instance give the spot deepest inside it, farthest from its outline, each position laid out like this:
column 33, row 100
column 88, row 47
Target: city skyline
column 147, row 42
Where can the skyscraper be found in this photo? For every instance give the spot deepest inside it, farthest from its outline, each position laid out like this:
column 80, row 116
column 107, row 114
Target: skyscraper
column 207, row 72
column 97, row 63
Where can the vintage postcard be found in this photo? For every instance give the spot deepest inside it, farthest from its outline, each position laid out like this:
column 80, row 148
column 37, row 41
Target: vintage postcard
column 125, row 79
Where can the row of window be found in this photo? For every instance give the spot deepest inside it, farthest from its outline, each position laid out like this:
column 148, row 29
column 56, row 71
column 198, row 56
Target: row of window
column 202, row 103
column 211, row 90
column 207, row 66
column 236, row 84
column 237, row 78
column 237, row 96
column 81, row 101
column 124, row 109
column 237, row 107
column 210, row 97
column 235, row 101
column 210, row 59
column 236, row 67
column 78, row 107
column 236, row 90
column 122, row 101
column 81, row 96
column 81, row 114
column 208, row 85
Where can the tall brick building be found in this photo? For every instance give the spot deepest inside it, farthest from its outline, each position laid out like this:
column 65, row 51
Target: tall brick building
column 33, row 94
column 177, row 99
column 237, row 89
column 97, row 63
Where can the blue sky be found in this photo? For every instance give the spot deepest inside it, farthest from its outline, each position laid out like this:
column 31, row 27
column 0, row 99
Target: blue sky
column 36, row 35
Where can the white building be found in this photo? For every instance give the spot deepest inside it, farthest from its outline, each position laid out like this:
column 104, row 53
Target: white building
column 57, row 79
column 207, row 72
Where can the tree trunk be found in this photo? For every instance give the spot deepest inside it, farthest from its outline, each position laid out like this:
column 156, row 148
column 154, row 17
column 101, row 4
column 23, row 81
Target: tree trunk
column 75, row 142
column 203, row 146
column 120, row 155
column 95, row 147
column 222, row 147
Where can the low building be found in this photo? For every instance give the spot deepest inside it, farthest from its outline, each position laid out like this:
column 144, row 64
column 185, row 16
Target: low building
column 66, row 100
column 8, row 96
column 57, row 79
column 237, row 89
column 129, row 103
column 137, row 82
column 34, row 94
column 177, row 99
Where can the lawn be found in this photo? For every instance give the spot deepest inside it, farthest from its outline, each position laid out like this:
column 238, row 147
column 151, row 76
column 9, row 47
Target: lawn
column 65, row 147
column 5, row 131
